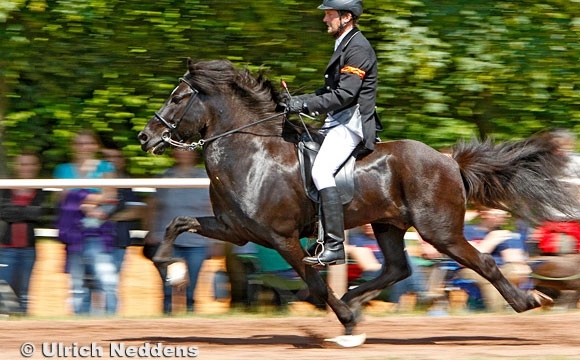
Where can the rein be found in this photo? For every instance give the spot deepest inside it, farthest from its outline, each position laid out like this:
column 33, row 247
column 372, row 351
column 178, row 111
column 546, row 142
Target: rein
column 167, row 136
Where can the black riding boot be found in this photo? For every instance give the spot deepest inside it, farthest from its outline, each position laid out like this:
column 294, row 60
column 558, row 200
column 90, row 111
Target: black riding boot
column 333, row 223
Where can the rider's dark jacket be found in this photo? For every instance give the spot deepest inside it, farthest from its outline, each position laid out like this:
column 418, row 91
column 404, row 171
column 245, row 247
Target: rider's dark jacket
column 350, row 78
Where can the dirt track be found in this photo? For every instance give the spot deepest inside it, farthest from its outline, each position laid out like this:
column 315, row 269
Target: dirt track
column 531, row 336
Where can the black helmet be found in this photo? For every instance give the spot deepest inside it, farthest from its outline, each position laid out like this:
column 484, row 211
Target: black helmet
column 354, row 6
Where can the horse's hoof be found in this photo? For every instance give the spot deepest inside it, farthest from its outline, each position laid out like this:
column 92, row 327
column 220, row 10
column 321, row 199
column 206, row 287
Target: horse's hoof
column 177, row 274
column 348, row 341
column 542, row 299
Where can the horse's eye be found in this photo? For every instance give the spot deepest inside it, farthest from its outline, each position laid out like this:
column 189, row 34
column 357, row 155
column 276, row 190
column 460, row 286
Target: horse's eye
column 177, row 99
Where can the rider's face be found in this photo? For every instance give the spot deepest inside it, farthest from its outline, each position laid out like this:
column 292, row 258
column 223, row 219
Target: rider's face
column 333, row 21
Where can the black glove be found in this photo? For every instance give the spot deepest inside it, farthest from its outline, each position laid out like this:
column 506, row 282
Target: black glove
column 296, row 105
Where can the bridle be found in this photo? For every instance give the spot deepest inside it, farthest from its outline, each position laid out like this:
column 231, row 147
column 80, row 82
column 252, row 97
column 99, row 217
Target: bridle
column 167, row 135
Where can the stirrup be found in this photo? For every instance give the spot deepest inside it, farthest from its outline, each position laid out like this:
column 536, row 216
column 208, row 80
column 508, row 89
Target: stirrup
column 320, row 263
column 313, row 250
column 318, row 250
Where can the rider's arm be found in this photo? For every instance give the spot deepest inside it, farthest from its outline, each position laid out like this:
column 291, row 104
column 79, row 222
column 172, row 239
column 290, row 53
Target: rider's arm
column 491, row 240
column 360, row 60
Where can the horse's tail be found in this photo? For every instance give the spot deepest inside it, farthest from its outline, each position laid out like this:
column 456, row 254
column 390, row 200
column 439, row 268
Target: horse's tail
column 521, row 177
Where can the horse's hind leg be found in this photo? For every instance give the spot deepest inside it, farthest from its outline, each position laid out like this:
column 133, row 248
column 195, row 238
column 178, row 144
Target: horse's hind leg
column 395, row 267
column 456, row 246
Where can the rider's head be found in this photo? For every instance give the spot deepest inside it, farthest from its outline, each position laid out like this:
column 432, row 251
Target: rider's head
column 341, row 14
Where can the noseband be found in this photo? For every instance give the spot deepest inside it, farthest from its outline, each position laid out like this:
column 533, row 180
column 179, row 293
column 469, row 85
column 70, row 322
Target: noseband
column 167, row 135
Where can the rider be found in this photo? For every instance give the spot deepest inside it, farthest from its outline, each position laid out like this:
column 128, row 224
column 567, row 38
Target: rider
column 348, row 99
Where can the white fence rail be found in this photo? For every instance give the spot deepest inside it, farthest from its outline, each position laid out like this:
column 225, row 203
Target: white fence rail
column 137, row 184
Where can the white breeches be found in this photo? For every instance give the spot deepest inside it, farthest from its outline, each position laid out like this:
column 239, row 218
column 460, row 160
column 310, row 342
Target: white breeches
column 335, row 149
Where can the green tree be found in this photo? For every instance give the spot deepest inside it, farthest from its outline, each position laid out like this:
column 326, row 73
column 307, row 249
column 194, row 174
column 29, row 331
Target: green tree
column 484, row 68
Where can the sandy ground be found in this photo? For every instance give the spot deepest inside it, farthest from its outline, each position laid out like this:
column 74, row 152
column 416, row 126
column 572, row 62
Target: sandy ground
column 139, row 330
column 523, row 336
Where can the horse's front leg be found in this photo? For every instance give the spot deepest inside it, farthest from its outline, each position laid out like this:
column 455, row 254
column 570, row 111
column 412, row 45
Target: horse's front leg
column 208, row 226
column 395, row 268
column 177, row 226
column 292, row 252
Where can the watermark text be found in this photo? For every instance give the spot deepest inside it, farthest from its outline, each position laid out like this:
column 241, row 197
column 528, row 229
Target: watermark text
column 59, row 350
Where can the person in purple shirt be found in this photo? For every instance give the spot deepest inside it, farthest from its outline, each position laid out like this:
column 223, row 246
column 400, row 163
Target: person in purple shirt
column 84, row 227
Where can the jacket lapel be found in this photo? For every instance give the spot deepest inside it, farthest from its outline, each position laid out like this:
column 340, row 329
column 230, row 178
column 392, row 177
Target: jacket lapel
column 342, row 46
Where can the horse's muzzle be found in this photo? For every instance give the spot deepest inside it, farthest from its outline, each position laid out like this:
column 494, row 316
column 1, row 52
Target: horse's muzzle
column 148, row 145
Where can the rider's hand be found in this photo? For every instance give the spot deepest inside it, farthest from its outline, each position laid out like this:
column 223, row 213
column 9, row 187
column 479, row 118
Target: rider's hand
column 296, row 105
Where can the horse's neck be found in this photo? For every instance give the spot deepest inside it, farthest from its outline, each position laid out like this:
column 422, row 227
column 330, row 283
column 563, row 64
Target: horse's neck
column 241, row 153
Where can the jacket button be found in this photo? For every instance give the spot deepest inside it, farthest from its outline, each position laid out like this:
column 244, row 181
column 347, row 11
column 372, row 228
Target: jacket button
column 328, row 88
column 326, row 76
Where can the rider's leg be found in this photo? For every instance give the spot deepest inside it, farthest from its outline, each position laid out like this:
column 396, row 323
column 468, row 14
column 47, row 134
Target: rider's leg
column 337, row 146
column 333, row 224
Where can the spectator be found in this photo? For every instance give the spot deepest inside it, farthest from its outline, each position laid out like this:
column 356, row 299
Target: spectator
column 167, row 204
column 558, row 236
column 129, row 209
column 566, row 141
column 273, row 272
column 240, row 265
column 506, row 247
column 20, row 211
column 85, row 228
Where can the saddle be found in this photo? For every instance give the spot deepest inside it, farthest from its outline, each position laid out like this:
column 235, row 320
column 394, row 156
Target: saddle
column 307, row 150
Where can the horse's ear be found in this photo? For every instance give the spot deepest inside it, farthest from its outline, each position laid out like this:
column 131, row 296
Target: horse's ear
column 189, row 64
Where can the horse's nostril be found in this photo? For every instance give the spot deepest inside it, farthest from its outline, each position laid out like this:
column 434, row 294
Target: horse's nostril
column 142, row 137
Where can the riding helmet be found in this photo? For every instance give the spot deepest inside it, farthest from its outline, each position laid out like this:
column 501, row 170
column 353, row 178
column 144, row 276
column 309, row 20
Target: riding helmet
column 354, row 6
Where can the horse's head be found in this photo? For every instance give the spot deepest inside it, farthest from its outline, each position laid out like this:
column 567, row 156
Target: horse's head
column 209, row 91
column 179, row 118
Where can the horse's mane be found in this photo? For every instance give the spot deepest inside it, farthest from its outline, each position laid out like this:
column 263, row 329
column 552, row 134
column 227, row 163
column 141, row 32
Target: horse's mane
column 220, row 76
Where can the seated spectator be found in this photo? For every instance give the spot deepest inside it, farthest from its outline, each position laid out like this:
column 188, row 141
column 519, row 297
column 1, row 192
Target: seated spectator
column 557, row 237
column 507, row 248
column 273, row 272
column 271, row 262
column 239, row 266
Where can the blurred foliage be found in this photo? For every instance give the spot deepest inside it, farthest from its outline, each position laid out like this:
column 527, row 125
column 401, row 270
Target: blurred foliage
column 449, row 69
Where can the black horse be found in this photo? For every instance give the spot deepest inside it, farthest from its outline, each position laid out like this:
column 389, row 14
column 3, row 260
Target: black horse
column 258, row 196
